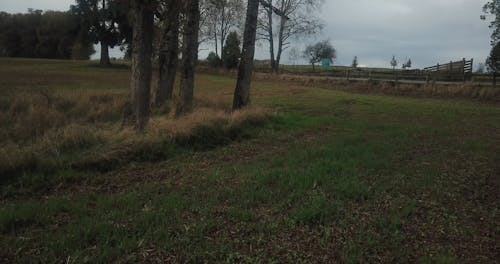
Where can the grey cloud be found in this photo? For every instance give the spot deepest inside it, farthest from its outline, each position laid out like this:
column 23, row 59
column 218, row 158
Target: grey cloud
column 428, row 31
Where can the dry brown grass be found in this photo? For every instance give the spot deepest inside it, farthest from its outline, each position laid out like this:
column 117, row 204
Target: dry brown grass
column 202, row 116
column 31, row 116
column 459, row 91
column 471, row 91
column 86, row 131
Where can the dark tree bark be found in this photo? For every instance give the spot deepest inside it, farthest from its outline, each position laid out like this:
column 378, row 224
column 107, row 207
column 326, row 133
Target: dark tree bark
column 296, row 18
column 141, row 62
column 223, row 33
column 280, row 45
column 271, row 35
column 242, row 91
column 189, row 56
column 169, row 55
column 105, row 61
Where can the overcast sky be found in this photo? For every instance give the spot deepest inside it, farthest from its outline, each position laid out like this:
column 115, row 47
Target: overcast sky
column 427, row 31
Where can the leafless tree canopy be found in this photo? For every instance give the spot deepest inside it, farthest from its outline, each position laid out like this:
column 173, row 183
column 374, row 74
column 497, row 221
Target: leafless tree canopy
column 219, row 18
column 299, row 19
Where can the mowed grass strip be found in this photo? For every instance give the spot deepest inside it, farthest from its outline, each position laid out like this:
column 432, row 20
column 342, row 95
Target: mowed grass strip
column 332, row 176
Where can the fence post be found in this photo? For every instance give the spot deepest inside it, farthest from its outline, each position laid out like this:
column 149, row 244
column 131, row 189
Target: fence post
column 471, row 68
column 463, row 70
column 436, row 75
column 347, row 74
column 450, row 71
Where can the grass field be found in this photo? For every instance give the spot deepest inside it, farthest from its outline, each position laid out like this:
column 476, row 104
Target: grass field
column 308, row 175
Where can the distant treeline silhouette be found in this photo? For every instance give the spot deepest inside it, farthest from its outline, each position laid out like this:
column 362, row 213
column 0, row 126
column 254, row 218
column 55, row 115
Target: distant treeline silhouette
column 38, row 34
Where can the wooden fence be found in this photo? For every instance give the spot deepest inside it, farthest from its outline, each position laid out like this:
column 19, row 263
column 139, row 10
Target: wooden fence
column 451, row 72
column 458, row 71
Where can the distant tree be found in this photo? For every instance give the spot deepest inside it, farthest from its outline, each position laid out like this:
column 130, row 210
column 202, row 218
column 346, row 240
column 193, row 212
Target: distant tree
column 394, row 62
column 407, row 65
column 82, row 48
column 231, row 53
column 297, row 18
column 213, row 60
column 37, row 34
column 493, row 8
column 293, row 55
column 355, row 62
column 319, row 51
column 102, row 19
column 220, row 18
column 480, row 68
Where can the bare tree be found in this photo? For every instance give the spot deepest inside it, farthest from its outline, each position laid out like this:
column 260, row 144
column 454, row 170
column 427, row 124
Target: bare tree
column 319, row 52
column 355, row 62
column 298, row 20
column 169, row 53
column 189, row 56
column 266, row 32
column 294, row 55
column 142, row 11
column 394, row 62
column 242, row 92
column 220, row 18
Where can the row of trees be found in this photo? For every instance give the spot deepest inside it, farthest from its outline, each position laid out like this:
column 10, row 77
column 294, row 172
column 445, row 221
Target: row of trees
column 394, row 63
column 179, row 27
column 107, row 22
column 297, row 18
column 37, row 34
column 187, row 16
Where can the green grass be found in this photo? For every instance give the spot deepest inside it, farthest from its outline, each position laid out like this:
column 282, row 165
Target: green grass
column 330, row 176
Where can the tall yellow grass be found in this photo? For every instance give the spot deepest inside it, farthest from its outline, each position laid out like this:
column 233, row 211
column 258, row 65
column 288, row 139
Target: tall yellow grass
column 39, row 132
column 474, row 91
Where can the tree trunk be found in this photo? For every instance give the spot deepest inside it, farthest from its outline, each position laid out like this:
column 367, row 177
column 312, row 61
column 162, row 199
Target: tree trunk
column 141, row 62
column 216, row 42
column 169, row 55
column 270, row 36
column 242, row 91
column 222, row 33
column 280, row 43
column 189, row 55
column 105, row 61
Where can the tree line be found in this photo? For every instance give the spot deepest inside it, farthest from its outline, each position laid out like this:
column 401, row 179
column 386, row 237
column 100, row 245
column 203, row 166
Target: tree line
column 183, row 26
column 181, row 32
column 170, row 31
column 38, row 34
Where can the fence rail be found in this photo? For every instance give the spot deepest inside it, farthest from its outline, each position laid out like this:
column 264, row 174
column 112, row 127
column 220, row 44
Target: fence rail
column 453, row 71
column 458, row 71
